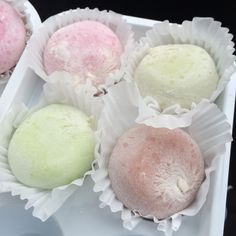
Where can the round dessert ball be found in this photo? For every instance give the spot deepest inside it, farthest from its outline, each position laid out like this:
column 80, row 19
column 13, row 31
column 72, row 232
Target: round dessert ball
column 52, row 147
column 89, row 50
column 177, row 74
column 12, row 36
column 157, row 172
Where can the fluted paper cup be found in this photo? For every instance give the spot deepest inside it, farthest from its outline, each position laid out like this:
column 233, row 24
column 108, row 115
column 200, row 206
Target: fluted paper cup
column 203, row 32
column 45, row 202
column 206, row 124
column 112, row 20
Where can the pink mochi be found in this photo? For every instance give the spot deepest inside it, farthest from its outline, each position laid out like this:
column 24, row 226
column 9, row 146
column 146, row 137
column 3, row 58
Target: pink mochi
column 12, row 36
column 89, row 50
column 156, row 172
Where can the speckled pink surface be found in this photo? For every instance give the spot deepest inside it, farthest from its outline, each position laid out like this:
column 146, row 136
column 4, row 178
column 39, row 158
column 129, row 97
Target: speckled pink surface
column 12, row 36
column 87, row 49
column 156, row 171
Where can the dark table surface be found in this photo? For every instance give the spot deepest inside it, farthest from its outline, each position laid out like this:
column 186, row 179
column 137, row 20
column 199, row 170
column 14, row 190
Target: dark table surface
column 174, row 11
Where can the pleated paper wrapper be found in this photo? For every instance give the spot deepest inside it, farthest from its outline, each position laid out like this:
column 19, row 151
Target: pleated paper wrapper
column 203, row 32
column 206, row 124
column 112, row 20
column 19, row 6
column 44, row 202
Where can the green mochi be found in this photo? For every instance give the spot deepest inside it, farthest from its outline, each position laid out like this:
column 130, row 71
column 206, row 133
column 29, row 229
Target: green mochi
column 52, row 147
column 177, row 74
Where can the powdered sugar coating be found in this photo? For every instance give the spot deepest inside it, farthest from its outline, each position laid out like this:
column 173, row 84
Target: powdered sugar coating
column 156, row 171
column 52, row 147
column 177, row 74
column 12, row 37
column 86, row 49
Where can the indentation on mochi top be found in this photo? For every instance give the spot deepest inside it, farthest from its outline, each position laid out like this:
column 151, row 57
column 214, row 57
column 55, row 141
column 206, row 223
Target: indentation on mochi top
column 182, row 185
column 172, row 182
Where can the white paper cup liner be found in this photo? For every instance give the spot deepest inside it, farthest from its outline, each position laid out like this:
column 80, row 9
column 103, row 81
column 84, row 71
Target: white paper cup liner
column 208, row 126
column 112, row 20
column 44, row 202
column 19, row 5
column 203, row 32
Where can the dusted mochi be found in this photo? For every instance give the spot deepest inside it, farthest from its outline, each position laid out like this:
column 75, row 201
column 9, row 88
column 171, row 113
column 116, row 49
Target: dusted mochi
column 177, row 74
column 86, row 49
column 12, row 36
column 156, row 172
column 52, row 147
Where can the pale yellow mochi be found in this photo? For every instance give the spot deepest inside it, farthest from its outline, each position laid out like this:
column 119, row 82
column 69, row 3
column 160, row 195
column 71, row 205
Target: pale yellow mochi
column 177, row 74
column 52, row 147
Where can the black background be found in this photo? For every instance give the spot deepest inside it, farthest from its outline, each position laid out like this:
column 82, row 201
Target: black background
column 174, row 11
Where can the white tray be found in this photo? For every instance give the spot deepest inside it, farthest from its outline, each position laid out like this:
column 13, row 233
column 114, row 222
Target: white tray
column 81, row 214
column 36, row 22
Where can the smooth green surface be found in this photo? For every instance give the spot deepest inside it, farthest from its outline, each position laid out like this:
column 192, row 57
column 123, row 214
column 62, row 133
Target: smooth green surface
column 52, row 147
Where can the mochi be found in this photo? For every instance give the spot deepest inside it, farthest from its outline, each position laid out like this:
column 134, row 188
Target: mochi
column 156, row 171
column 52, row 147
